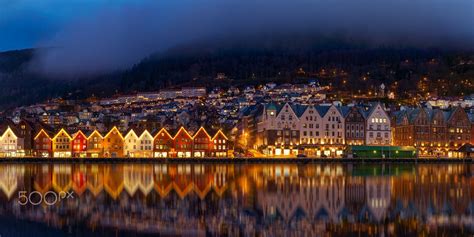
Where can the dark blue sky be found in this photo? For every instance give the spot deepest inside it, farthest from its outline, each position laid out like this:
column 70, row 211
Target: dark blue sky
column 96, row 36
column 25, row 23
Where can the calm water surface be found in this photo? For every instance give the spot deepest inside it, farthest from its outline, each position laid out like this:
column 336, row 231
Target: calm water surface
column 236, row 200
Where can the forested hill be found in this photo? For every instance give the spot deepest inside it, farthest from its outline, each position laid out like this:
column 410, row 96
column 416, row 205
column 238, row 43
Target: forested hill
column 242, row 63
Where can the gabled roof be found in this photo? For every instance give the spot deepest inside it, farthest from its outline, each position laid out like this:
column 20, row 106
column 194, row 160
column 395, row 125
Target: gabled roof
column 62, row 130
column 116, row 129
column 181, row 130
column 8, row 124
column 273, row 106
column 298, row 109
column 12, row 129
column 164, row 131
column 373, row 106
column 130, row 131
column 201, row 130
column 344, row 110
column 322, row 109
column 95, row 131
column 77, row 134
column 219, row 132
column 144, row 132
column 42, row 131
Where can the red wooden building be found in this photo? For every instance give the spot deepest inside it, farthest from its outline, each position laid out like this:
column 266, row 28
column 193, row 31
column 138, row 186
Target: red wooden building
column 79, row 144
column 221, row 145
column 163, row 144
column 43, row 144
column 183, row 143
column 202, row 144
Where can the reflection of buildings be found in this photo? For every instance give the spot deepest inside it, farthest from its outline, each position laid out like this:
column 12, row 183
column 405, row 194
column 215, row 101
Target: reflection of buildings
column 378, row 196
column 11, row 179
column 318, row 198
column 279, row 199
column 355, row 195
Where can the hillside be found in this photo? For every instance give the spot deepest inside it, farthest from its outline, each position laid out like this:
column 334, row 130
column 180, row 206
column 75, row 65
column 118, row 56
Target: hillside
column 246, row 64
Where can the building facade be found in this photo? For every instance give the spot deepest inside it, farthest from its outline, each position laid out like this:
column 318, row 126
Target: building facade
column 378, row 130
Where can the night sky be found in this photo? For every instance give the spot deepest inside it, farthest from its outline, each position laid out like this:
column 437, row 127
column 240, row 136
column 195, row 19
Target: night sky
column 91, row 36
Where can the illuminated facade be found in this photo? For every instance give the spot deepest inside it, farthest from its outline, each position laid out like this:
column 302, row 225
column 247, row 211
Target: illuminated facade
column 79, row 144
column 317, row 130
column 62, row 144
column 434, row 132
column 162, row 144
column 183, row 144
column 131, row 144
column 11, row 145
column 95, row 146
column 43, row 146
column 115, row 145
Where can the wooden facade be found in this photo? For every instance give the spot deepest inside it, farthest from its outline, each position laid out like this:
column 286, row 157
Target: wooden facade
column 434, row 132
column 355, row 127
column 95, row 146
column 43, row 144
column 162, row 144
column 202, row 144
column 183, row 143
column 79, row 144
column 62, row 144
column 113, row 144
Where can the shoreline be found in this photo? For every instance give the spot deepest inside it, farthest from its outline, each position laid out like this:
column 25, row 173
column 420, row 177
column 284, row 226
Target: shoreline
column 235, row 160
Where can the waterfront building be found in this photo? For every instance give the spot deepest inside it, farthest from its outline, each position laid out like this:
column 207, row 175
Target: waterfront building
column 332, row 141
column 113, row 144
column 94, row 145
column 79, row 144
column 26, row 129
column 221, row 146
column 458, row 126
column 434, row 132
column 11, row 145
column 355, row 126
column 162, row 144
column 202, row 143
column 314, row 130
column 278, row 129
column 310, row 126
column 62, row 144
column 183, row 144
column 43, row 144
column 145, row 148
column 131, row 144
column 378, row 127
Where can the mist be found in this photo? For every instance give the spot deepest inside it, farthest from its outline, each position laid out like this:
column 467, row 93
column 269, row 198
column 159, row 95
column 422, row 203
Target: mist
column 117, row 37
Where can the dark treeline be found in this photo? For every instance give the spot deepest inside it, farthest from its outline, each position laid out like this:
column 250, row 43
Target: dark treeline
column 244, row 64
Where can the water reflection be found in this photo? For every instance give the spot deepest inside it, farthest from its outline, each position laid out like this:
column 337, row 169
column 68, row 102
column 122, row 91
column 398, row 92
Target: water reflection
column 267, row 200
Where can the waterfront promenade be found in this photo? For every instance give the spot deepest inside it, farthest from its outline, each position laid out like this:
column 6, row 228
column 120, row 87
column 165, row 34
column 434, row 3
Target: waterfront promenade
column 235, row 160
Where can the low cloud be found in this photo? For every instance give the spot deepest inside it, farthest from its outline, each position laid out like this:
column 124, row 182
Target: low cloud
column 115, row 38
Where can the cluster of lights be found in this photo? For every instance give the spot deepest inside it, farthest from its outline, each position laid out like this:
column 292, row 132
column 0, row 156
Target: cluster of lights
column 62, row 144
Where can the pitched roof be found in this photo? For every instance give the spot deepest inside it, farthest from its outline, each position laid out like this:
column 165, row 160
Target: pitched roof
column 344, row 110
column 322, row 109
column 298, row 109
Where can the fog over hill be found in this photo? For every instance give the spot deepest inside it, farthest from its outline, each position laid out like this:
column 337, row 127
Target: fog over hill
column 255, row 60
column 117, row 37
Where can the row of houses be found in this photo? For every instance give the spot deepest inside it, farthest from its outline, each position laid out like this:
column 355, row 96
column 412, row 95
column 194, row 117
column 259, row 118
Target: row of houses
column 20, row 141
column 434, row 132
column 291, row 129
column 315, row 130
